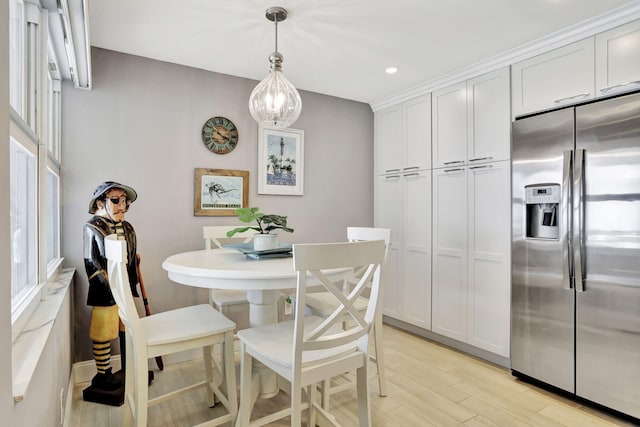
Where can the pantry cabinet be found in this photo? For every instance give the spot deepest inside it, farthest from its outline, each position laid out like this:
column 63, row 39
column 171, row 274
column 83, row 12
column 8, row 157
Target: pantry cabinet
column 471, row 255
column 403, row 204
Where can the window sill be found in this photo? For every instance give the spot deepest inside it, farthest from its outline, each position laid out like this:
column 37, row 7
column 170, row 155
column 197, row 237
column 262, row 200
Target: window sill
column 29, row 345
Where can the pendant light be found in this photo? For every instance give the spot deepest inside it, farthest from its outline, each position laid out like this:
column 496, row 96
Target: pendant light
column 275, row 102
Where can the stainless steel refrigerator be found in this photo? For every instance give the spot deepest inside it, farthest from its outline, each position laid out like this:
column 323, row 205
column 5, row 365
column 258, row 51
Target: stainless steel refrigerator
column 575, row 321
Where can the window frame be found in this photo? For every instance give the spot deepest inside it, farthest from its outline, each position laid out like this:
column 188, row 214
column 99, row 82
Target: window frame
column 37, row 128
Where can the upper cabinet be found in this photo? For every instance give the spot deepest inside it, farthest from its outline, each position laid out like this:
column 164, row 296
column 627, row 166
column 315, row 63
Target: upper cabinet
column 403, row 135
column 602, row 65
column 471, row 121
column 562, row 76
column 618, row 59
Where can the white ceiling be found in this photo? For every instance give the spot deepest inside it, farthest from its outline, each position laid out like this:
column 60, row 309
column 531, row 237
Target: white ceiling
column 334, row 47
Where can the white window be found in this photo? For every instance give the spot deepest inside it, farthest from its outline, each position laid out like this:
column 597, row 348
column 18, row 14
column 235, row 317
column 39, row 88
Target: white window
column 23, row 184
column 53, row 219
column 16, row 54
column 34, row 159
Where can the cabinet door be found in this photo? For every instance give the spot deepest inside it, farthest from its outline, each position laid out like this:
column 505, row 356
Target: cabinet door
column 449, row 304
column 489, row 280
column 416, row 278
column 389, row 140
column 417, row 132
column 450, row 126
column 618, row 59
column 562, row 76
column 389, row 215
column 489, row 117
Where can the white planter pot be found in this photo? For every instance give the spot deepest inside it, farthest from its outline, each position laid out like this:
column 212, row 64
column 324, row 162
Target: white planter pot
column 262, row 242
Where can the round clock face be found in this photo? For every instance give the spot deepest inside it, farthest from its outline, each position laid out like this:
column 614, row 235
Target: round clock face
column 220, row 135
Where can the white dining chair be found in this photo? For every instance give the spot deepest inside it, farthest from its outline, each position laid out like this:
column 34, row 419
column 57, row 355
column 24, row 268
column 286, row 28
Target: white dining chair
column 182, row 329
column 323, row 304
column 230, row 302
column 308, row 349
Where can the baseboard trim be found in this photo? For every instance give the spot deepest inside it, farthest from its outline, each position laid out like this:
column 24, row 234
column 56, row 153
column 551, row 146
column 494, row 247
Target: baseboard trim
column 84, row 371
column 457, row 345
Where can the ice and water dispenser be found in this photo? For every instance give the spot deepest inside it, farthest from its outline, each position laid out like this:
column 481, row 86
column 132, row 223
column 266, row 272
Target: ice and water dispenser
column 543, row 211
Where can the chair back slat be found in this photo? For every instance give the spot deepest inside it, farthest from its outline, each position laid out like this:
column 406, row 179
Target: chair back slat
column 310, row 261
column 215, row 235
column 116, row 252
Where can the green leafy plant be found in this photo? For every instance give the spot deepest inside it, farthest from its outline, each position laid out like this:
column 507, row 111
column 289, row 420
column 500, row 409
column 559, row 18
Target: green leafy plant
column 265, row 223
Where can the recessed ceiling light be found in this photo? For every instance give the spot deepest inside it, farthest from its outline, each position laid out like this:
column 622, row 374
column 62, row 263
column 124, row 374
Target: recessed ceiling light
column 391, row 70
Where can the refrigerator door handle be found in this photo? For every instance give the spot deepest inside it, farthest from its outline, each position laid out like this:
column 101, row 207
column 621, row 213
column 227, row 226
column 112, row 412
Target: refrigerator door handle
column 578, row 220
column 567, row 260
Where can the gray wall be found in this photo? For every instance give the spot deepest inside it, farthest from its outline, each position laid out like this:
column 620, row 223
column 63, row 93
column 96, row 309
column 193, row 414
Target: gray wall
column 140, row 125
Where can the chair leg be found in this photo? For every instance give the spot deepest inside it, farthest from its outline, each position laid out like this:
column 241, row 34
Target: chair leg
column 296, row 402
column 312, row 396
column 244, row 412
column 141, row 385
column 379, row 344
column 208, row 369
column 364, row 410
column 229, row 382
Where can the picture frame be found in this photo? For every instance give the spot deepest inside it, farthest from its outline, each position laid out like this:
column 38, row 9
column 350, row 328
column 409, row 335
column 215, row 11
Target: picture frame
column 219, row 192
column 280, row 161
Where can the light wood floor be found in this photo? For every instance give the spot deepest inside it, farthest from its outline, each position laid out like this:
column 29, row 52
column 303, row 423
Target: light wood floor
column 429, row 385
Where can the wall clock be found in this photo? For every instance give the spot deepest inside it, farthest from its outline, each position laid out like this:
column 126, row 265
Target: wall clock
column 220, row 135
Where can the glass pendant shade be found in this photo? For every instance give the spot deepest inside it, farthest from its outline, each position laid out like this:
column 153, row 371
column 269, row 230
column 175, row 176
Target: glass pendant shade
column 275, row 102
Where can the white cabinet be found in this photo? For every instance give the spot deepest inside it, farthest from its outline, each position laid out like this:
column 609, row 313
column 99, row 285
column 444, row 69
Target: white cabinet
column 416, row 272
column 472, row 122
column 388, row 213
column 471, row 255
column 403, row 136
column 450, row 126
column 618, row 59
column 604, row 64
column 449, row 304
column 562, row 76
column 389, row 143
column 403, row 204
column 489, row 257
column 489, row 117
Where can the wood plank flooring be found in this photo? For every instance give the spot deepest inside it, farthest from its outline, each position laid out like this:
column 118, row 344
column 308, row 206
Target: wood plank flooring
column 429, row 385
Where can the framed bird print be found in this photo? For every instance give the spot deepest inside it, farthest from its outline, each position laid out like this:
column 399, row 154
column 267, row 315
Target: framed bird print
column 219, row 192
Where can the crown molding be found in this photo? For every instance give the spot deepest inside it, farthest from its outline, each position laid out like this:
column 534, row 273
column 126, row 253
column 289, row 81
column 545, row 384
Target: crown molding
column 574, row 33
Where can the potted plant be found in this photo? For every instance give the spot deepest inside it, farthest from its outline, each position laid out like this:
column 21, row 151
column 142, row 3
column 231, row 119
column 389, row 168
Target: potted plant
column 265, row 224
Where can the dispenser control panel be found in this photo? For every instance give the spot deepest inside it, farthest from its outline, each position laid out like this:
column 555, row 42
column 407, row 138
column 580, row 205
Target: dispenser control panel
column 536, row 194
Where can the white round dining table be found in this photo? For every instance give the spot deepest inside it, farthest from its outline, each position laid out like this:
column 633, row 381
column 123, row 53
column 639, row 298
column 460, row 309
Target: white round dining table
column 227, row 268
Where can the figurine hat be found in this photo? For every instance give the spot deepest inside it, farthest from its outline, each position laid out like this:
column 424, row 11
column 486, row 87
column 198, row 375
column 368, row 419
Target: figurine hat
column 106, row 186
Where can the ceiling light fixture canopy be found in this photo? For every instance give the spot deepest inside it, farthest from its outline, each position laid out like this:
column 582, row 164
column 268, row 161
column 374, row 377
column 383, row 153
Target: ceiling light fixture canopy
column 275, row 102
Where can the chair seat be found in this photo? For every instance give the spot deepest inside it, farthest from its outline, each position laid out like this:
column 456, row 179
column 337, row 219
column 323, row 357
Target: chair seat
column 275, row 342
column 323, row 303
column 168, row 326
column 223, row 297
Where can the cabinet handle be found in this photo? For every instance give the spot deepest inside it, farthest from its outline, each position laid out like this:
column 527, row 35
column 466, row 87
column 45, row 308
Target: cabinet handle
column 411, row 174
column 568, row 98
column 411, row 168
column 607, row 89
column 454, row 170
column 391, row 170
column 453, row 163
column 480, row 158
column 391, row 176
column 480, row 167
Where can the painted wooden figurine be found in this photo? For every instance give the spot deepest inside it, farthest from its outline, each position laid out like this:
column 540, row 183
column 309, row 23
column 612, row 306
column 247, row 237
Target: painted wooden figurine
column 109, row 204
